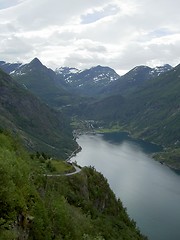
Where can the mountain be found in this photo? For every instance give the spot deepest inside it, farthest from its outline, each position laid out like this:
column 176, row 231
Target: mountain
column 40, row 80
column 151, row 112
column 41, row 128
column 61, row 87
column 67, row 73
column 88, row 82
column 134, row 79
column 64, row 77
column 9, row 67
column 158, row 105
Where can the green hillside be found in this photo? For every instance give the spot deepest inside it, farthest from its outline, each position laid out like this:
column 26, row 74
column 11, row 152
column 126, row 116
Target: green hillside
column 41, row 81
column 41, row 128
column 154, row 111
column 33, row 206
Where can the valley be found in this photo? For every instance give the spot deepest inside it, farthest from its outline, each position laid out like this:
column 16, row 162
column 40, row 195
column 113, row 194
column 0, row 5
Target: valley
column 144, row 101
column 41, row 199
column 46, row 110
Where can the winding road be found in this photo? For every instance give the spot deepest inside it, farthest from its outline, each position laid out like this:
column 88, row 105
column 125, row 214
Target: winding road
column 77, row 170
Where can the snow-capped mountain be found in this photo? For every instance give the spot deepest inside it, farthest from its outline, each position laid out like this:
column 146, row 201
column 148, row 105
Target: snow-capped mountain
column 66, row 74
column 89, row 81
column 65, row 71
column 34, row 65
column 160, row 69
column 143, row 73
column 9, row 67
column 41, row 81
column 134, row 79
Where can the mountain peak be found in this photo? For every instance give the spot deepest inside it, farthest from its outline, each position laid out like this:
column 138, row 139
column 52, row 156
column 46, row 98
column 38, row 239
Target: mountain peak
column 141, row 68
column 67, row 70
column 100, row 68
column 36, row 62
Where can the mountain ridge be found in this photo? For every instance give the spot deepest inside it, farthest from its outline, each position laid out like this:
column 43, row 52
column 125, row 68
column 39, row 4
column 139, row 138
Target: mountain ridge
column 40, row 80
column 92, row 82
column 41, row 128
column 135, row 79
column 88, row 82
column 151, row 112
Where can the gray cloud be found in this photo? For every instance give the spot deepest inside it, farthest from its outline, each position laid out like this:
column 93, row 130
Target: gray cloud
column 120, row 34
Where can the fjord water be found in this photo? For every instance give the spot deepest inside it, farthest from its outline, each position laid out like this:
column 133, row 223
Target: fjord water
column 149, row 190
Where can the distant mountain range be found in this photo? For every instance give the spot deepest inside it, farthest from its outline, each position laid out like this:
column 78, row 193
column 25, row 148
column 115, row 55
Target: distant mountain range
column 134, row 79
column 57, row 87
column 52, row 85
column 41, row 81
column 88, row 82
column 9, row 67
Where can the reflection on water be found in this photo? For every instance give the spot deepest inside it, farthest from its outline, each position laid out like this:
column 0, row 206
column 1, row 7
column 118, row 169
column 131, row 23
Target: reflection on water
column 119, row 138
column 149, row 190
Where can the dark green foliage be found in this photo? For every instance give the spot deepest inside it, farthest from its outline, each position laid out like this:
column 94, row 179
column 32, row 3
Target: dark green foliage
column 41, row 81
column 35, row 207
column 40, row 127
column 134, row 79
column 150, row 112
column 170, row 156
column 50, row 167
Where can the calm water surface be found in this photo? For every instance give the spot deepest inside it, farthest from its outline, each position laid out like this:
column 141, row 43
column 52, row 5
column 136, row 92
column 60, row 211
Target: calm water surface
column 149, row 190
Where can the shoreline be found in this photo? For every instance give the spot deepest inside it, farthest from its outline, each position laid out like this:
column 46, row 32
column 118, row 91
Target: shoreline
column 172, row 166
column 78, row 149
column 163, row 162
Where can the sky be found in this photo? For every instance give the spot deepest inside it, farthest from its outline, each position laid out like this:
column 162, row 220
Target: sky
column 120, row 34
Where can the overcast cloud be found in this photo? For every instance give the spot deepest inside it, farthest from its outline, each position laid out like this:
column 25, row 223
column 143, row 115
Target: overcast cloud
column 117, row 33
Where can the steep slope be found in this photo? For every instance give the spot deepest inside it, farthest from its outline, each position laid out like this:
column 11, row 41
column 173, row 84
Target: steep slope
column 41, row 128
column 88, row 82
column 76, row 207
column 9, row 67
column 41, row 81
column 158, row 105
column 135, row 79
column 106, row 109
column 153, row 112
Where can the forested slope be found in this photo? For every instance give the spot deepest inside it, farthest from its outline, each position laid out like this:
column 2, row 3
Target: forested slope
column 151, row 112
column 41, row 128
column 33, row 206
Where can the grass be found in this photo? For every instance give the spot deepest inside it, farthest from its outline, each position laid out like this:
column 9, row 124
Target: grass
column 170, row 157
column 58, row 167
column 112, row 127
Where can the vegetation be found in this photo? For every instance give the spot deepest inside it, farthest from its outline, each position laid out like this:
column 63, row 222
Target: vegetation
column 33, row 206
column 42, row 82
column 144, row 102
column 41, row 128
column 81, row 206
column 170, row 157
column 150, row 112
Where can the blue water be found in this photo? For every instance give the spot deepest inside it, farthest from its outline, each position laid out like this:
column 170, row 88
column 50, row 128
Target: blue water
column 149, row 190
